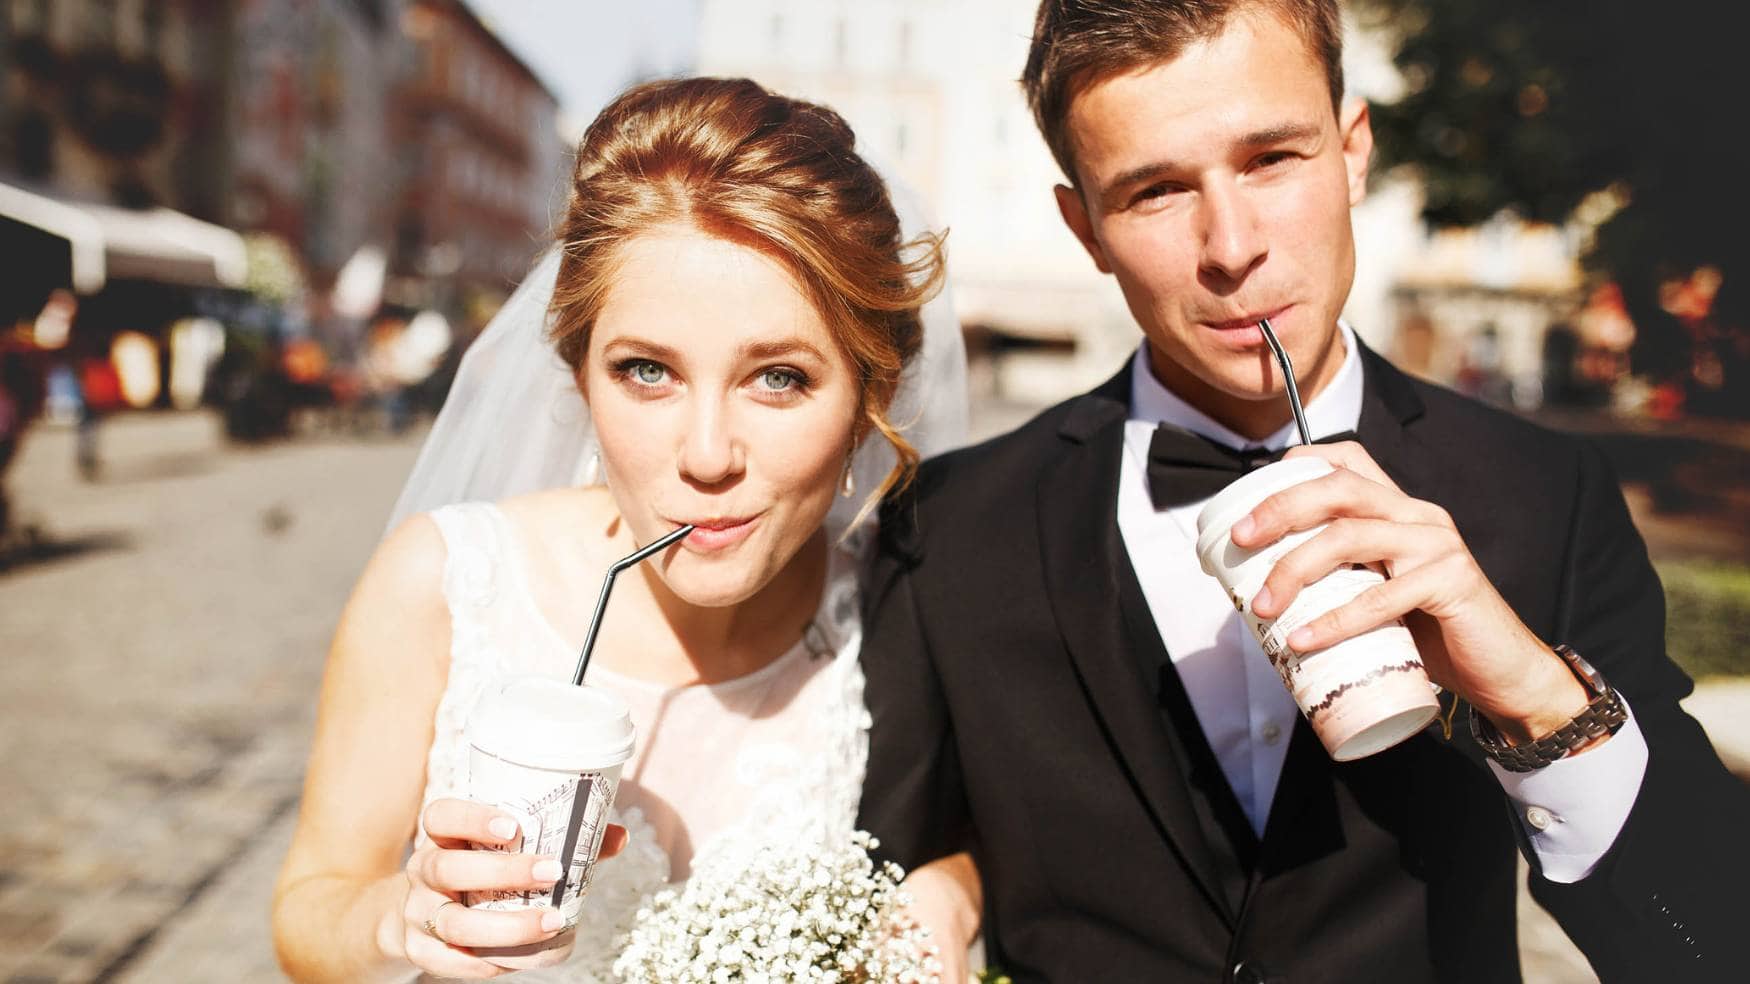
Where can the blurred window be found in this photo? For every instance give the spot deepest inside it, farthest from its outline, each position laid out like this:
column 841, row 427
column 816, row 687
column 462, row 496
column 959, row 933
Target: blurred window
column 775, row 33
column 840, row 43
column 905, row 43
column 152, row 27
column 99, row 26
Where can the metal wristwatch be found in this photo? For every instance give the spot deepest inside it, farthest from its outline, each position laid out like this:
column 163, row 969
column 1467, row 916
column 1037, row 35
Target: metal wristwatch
column 1602, row 716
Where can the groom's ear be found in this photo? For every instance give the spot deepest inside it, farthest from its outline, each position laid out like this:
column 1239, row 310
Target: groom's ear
column 1075, row 215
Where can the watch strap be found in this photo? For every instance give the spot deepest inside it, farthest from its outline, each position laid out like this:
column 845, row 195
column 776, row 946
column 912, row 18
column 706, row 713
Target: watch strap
column 1603, row 715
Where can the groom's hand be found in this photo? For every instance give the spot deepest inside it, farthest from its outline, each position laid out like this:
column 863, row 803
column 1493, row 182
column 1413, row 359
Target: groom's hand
column 1471, row 641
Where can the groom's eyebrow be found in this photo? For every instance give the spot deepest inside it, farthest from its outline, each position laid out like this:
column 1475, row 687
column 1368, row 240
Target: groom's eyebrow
column 1290, row 131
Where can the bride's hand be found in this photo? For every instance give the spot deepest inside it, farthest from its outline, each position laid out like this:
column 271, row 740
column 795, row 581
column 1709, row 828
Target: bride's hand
column 947, row 895
column 437, row 936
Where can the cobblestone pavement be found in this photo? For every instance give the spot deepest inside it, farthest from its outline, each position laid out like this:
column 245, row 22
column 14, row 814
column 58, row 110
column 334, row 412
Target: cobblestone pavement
column 158, row 665
column 158, row 661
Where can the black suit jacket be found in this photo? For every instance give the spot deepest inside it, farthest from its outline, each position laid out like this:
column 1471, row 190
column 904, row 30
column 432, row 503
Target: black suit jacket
column 1011, row 717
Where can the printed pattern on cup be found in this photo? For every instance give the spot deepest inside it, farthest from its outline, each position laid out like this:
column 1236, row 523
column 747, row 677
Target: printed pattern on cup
column 1315, row 680
column 546, row 821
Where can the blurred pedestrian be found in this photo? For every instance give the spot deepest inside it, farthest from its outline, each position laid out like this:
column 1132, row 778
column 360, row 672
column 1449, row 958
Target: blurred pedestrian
column 21, row 399
column 100, row 393
column 11, row 431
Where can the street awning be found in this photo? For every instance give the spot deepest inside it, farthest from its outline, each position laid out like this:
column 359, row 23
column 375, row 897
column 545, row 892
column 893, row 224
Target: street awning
column 156, row 244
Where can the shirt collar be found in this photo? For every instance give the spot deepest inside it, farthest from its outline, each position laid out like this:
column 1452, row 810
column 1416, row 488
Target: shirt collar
column 1336, row 408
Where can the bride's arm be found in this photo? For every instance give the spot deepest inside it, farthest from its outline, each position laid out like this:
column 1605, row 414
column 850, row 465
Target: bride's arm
column 342, row 889
column 948, row 900
column 347, row 907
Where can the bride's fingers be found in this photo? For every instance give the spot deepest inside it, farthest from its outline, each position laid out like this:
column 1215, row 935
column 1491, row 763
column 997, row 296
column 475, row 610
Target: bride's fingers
column 440, row 959
column 452, row 871
column 458, row 823
column 459, row 925
column 613, row 841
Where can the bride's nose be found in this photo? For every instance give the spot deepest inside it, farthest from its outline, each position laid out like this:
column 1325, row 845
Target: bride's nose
column 711, row 452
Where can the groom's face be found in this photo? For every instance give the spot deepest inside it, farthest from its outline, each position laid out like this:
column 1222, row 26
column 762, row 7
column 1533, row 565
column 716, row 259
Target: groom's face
column 1216, row 188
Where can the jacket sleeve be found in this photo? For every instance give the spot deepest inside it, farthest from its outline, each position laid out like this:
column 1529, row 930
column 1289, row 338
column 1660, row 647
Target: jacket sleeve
column 1668, row 900
column 913, row 798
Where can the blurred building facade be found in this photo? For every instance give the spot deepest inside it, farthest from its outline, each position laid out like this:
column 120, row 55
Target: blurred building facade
column 387, row 152
column 929, row 86
column 305, row 125
column 477, row 135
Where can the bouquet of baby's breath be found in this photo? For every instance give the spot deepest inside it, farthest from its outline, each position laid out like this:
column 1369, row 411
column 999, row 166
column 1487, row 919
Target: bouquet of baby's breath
column 785, row 912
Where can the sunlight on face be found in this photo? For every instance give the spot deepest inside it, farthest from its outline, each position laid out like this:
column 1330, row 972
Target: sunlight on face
column 720, row 398
column 1216, row 188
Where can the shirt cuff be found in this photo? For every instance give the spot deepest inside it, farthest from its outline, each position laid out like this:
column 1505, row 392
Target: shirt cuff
column 1574, row 808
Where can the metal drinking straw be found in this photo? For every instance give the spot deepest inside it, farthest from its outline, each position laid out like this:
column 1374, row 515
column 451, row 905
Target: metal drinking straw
column 601, row 604
column 1287, row 377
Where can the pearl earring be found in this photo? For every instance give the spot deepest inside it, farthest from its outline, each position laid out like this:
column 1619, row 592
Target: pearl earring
column 592, row 469
column 848, row 484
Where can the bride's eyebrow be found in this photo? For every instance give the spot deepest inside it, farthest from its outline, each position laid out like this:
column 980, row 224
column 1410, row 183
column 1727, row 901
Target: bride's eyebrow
column 644, row 349
column 778, row 348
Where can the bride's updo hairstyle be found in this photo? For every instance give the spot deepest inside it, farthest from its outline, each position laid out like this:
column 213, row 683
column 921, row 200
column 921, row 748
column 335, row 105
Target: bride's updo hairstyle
column 779, row 175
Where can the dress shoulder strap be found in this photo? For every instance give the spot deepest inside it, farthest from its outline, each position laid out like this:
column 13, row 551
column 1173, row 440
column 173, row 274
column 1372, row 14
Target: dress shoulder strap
column 474, row 566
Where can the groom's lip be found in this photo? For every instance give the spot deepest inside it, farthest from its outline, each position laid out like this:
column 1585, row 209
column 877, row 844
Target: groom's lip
column 718, row 533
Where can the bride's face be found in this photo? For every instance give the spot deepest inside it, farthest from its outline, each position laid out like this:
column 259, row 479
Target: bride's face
column 720, row 399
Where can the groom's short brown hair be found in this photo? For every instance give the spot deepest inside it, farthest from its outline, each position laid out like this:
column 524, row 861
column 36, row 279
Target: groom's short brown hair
column 1079, row 42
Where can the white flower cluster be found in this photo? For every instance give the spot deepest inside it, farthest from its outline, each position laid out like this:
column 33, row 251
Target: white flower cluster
column 803, row 911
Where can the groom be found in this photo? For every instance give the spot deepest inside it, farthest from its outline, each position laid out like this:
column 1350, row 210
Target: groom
column 1058, row 688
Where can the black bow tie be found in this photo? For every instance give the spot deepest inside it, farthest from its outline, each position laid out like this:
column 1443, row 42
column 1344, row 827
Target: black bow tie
column 1185, row 467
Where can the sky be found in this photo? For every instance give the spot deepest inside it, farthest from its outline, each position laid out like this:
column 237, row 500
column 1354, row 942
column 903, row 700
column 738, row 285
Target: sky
column 588, row 50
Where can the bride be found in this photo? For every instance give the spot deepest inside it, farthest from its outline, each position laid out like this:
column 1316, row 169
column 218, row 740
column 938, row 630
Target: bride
column 742, row 343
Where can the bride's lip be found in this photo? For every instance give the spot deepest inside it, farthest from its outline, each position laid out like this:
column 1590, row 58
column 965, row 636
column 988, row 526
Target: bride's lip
column 718, row 533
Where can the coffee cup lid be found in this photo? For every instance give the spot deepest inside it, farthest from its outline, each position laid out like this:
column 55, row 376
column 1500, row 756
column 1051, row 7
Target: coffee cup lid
column 1244, row 493
column 551, row 724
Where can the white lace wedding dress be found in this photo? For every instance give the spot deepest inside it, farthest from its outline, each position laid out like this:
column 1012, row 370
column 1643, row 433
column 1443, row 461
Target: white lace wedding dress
column 777, row 755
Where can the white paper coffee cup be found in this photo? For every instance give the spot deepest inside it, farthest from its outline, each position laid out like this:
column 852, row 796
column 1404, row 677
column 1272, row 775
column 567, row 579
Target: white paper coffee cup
column 1362, row 695
column 548, row 753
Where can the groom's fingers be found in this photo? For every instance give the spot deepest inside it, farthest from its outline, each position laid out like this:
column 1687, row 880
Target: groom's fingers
column 1342, row 493
column 1342, row 542
column 1370, row 609
column 1349, row 456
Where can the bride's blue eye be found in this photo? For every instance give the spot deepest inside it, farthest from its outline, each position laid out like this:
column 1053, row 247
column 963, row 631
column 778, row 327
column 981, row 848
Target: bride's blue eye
column 648, row 373
column 780, row 380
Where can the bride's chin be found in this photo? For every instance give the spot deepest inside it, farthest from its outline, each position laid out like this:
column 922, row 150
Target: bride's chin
column 710, row 589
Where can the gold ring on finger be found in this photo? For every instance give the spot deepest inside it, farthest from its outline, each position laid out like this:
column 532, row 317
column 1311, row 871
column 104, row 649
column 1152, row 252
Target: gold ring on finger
column 430, row 925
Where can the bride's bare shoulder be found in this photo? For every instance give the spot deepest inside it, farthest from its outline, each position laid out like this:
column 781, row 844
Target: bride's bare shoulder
column 582, row 518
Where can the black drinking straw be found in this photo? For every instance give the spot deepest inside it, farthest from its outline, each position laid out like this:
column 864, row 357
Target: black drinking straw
column 601, row 604
column 1287, row 377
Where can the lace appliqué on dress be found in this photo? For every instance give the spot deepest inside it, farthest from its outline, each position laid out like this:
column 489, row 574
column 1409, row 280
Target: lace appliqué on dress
column 799, row 794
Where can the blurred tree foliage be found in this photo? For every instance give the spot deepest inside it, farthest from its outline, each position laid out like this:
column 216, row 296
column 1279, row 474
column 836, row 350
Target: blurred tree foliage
column 1534, row 106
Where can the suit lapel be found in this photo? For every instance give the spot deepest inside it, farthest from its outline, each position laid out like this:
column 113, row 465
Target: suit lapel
column 1082, row 554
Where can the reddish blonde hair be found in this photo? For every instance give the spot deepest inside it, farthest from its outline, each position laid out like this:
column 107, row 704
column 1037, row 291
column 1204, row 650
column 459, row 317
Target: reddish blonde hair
column 734, row 160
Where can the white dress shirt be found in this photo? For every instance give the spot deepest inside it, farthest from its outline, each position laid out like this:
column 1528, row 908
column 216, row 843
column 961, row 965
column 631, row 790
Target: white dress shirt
column 1571, row 810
